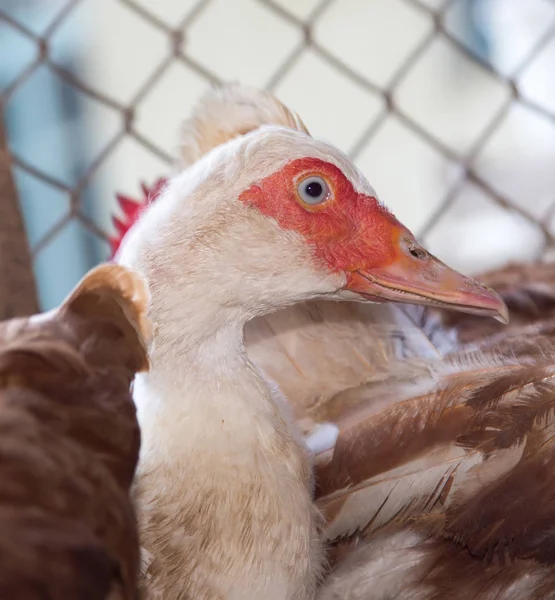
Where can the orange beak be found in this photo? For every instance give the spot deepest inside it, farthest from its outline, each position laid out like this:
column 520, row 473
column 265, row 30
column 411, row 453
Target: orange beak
column 412, row 275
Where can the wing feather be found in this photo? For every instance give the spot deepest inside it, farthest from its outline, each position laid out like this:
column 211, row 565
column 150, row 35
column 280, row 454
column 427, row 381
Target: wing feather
column 449, row 493
column 458, row 420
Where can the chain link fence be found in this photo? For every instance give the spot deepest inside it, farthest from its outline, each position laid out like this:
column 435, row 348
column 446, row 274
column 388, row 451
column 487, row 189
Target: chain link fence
column 486, row 128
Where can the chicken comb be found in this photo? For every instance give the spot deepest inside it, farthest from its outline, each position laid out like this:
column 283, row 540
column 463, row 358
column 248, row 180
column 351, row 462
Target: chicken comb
column 132, row 210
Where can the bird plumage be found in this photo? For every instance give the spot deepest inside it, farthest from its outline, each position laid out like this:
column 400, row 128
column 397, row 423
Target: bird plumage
column 447, row 491
column 69, row 443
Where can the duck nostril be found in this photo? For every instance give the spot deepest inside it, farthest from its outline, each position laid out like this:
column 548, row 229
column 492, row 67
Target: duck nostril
column 418, row 252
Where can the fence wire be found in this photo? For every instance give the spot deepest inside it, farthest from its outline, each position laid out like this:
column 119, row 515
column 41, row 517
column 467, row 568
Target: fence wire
column 178, row 52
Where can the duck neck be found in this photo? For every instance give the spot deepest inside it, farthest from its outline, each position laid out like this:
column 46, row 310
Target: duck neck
column 202, row 385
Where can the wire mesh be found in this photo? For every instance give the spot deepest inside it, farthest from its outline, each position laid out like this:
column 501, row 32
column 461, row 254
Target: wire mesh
column 385, row 89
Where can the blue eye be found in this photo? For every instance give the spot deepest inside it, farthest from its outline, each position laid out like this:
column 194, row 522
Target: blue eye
column 313, row 190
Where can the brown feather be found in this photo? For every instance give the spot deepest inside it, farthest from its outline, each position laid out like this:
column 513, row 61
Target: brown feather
column 69, row 443
column 529, row 292
column 405, row 563
column 319, row 352
column 448, row 492
column 45, row 556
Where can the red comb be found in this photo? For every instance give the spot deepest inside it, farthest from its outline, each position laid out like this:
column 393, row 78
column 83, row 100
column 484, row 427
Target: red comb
column 132, row 210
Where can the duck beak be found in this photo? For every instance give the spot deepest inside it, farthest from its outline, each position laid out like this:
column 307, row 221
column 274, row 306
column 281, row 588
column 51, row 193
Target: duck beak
column 412, row 275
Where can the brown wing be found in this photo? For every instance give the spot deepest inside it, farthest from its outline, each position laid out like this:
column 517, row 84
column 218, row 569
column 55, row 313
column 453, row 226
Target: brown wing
column 319, row 352
column 529, row 292
column 447, row 492
column 69, row 443
column 45, row 556
column 405, row 562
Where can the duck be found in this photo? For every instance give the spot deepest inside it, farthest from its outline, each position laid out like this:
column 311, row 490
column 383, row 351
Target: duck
column 265, row 218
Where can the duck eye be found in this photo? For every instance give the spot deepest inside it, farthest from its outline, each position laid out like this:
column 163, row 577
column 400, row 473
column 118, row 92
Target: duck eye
column 313, row 190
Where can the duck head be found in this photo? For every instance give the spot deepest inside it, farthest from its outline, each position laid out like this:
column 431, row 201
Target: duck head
column 274, row 216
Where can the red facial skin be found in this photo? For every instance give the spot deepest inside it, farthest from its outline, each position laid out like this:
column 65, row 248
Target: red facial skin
column 349, row 231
